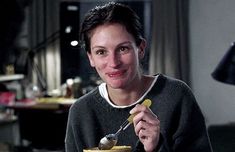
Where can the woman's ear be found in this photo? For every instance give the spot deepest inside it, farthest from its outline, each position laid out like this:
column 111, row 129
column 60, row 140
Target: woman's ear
column 90, row 59
column 141, row 49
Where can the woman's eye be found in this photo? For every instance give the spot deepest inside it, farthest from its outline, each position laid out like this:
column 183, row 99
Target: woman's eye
column 100, row 52
column 123, row 49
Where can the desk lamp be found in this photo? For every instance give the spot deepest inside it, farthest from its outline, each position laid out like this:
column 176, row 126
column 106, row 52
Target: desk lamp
column 225, row 70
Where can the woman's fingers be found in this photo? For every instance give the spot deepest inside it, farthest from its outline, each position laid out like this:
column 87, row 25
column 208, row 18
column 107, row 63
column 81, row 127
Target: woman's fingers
column 147, row 126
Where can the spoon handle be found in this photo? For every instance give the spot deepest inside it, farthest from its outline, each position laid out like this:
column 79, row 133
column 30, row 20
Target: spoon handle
column 147, row 103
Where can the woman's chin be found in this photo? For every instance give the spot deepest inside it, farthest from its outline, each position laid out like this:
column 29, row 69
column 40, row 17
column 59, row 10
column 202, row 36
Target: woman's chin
column 116, row 85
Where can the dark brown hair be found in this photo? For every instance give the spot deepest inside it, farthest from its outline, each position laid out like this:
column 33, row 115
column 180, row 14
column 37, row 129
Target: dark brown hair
column 110, row 13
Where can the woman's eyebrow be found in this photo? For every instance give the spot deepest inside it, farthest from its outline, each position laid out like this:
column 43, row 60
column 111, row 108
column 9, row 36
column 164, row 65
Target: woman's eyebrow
column 123, row 43
column 98, row 47
column 120, row 44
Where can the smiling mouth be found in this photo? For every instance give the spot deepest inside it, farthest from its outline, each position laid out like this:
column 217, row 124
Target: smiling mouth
column 116, row 74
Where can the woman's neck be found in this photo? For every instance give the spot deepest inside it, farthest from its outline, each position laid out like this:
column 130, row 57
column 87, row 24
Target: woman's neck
column 131, row 94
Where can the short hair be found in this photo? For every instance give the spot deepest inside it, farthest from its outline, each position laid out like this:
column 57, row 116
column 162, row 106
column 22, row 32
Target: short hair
column 111, row 12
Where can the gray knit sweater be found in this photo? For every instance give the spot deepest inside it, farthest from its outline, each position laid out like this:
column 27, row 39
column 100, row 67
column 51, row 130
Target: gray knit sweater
column 182, row 124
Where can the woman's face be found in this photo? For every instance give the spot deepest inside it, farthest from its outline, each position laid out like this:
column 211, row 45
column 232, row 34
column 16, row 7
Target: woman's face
column 115, row 56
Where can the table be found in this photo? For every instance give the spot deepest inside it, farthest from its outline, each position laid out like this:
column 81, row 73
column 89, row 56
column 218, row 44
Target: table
column 42, row 124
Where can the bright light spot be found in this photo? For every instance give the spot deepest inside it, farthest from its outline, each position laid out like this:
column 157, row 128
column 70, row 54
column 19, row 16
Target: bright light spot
column 68, row 29
column 69, row 82
column 72, row 8
column 74, row 43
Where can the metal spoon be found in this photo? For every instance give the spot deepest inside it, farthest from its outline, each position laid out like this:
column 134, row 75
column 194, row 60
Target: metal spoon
column 110, row 140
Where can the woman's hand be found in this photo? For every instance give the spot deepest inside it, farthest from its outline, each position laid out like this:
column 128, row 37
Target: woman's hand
column 147, row 127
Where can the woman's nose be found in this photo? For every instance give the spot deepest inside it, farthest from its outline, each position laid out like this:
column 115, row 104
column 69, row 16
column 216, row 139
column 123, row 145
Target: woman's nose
column 114, row 60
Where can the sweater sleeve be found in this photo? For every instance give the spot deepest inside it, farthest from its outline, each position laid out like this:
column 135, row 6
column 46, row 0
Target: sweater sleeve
column 70, row 144
column 191, row 134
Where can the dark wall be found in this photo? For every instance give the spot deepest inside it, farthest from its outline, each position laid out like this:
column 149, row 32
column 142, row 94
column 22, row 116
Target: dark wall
column 12, row 16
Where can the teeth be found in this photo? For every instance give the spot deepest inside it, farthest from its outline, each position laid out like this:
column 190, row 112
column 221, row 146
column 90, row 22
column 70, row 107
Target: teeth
column 111, row 75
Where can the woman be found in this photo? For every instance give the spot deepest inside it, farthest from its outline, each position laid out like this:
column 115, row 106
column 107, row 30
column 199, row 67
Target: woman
column 115, row 46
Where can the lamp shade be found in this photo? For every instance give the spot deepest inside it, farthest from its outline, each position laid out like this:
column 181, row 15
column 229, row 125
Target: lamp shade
column 225, row 70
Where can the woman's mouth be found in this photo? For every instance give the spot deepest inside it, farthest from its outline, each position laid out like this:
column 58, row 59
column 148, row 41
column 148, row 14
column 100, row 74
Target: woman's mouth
column 115, row 74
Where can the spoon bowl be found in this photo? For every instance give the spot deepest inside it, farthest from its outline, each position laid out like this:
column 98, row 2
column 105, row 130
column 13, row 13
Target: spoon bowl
column 108, row 142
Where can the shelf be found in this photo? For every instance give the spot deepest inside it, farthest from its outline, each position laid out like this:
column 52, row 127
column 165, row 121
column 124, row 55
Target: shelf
column 11, row 77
